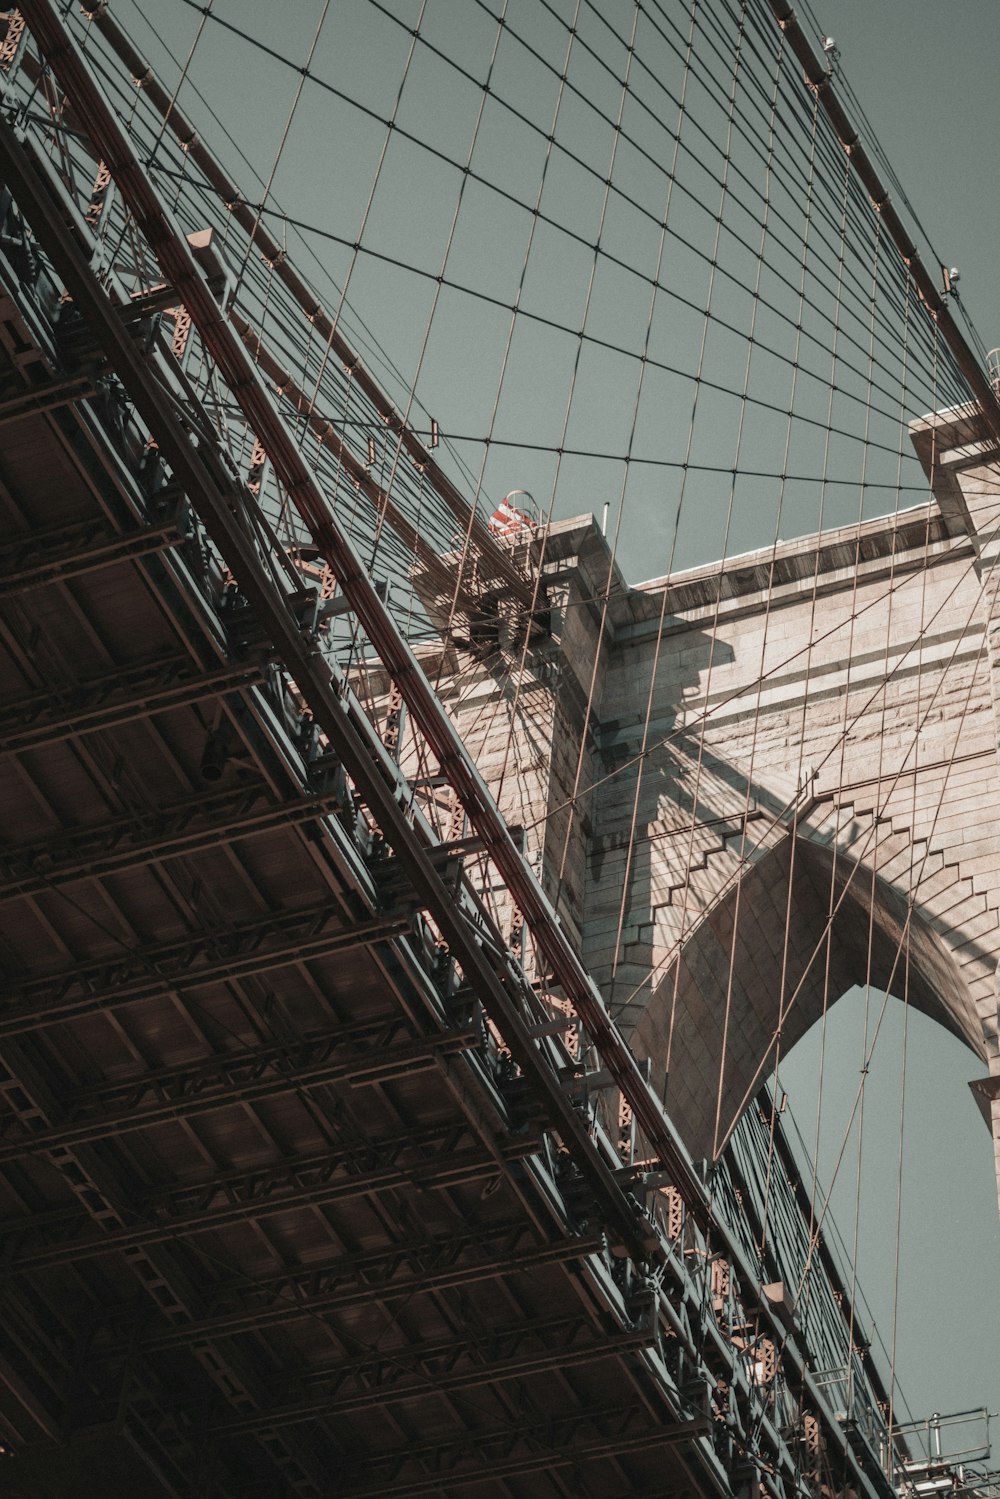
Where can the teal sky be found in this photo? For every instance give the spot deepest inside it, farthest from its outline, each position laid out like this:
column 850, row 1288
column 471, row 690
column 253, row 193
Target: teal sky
column 926, row 76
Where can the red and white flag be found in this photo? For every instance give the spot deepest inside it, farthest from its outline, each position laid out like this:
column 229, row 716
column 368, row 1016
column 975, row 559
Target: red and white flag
column 508, row 521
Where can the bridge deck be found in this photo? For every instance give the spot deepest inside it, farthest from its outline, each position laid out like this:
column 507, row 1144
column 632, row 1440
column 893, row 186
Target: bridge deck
column 302, row 1192
column 258, row 1182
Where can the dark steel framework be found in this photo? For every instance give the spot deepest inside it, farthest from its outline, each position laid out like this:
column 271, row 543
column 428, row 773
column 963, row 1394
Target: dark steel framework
column 301, row 1192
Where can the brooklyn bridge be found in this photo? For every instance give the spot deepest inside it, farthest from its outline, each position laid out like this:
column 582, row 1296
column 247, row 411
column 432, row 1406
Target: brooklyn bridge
column 405, row 915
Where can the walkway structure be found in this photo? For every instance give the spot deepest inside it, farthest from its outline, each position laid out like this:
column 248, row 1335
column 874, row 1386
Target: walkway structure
column 360, row 1137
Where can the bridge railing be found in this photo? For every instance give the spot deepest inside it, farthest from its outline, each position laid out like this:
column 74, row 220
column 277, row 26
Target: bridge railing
column 776, row 1217
column 947, row 1454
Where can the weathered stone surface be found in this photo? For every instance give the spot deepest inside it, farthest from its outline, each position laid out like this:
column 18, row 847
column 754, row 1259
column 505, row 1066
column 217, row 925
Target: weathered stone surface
column 751, row 786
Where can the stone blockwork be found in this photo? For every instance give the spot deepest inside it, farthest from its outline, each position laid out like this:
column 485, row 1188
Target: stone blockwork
column 788, row 780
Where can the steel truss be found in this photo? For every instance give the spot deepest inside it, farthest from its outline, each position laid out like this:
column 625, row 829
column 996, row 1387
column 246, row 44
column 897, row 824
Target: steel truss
column 48, row 396
column 250, row 1076
column 55, row 556
column 115, row 698
column 510, row 1451
column 213, row 494
column 146, row 837
column 357, row 1280
column 425, row 1159
column 490, row 1357
column 170, row 967
column 490, row 558
column 588, row 1185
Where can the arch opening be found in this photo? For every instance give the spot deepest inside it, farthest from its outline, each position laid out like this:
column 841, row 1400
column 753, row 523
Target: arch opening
column 802, row 927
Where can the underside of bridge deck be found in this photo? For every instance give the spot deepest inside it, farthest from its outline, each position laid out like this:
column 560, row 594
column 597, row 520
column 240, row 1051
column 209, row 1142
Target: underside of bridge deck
column 265, row 1217
column 302, row 1190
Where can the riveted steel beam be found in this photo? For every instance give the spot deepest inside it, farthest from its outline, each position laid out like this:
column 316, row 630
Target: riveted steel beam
column 352, row 736
column 509, row 1451
column 53, row 556
column 175, row 967
column 350, row 1281
column 398, row 832
column 491, row 559
column 116, row 697
column 146, row 837
column 188, row 1092
column 491, row 1357
column 48, row 397
column 446, row 575
column 423, row 1159
column 35, row 191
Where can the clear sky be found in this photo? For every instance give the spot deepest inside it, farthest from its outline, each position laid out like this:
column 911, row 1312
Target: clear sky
column 926, row 76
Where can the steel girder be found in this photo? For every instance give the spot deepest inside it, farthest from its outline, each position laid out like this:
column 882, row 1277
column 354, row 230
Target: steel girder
column 380, row 1378
column 55, row 555
column 171, row 968
column 381, row 500
column 156, row 1270
column 504, row 1452
column 180, row 1461
column 48, row 1139
column 179, row 267
column 32, row 1370
column 510, row 1451
column 145, row 837
column 348, row 1281
column 251, row 1076
column 490, row 559
column 177, row 1464
column 33, row 399
column 117, row 697
column 490, row 973
column 423, row 1159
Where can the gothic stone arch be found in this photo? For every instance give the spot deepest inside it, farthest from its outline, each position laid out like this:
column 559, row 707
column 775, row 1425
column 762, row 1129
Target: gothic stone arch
column 822, row 711
column 760, row 967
